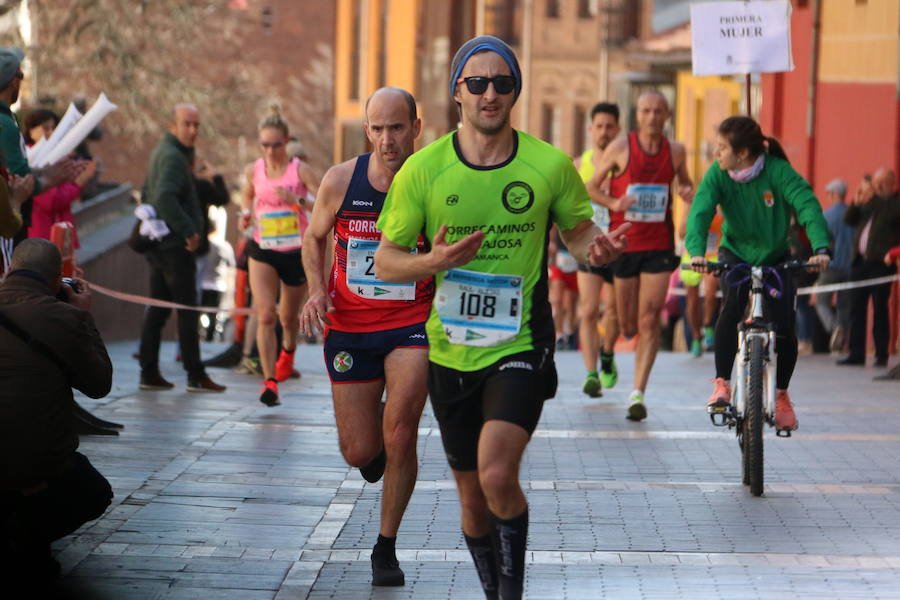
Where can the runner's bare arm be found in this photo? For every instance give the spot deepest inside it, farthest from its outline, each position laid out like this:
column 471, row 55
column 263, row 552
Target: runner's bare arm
column 614, row 158
column 247, row 195
column 310, row 180
column 394, row 263
column 315, row 245
column 685, row 183
column 589, row 245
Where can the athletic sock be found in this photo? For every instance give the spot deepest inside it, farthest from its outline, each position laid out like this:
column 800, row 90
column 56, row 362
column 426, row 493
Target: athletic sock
column 509, row 537
column 482, row 551
column 384, row 544
column 606, row 360
column 286, row 351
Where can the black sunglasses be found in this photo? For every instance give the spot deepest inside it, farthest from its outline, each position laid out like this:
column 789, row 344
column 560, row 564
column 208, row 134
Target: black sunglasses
column 503, row 84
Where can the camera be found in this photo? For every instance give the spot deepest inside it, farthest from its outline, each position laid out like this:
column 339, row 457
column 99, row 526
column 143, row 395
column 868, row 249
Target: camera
column 72, row 283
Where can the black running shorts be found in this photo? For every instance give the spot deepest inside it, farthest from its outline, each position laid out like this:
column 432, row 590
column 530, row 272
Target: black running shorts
column 513, row 389
column 604, row 271
column 288, row 265
column 632, row 264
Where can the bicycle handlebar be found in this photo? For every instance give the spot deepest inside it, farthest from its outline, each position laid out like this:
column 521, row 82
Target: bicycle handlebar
column 718, row 268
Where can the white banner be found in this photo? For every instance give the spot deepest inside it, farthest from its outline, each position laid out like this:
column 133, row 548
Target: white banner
column 741, row 37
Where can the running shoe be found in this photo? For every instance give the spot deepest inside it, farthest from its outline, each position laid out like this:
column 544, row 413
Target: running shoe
column 284, row 366
column 592, row 385
column 696, row 348
column 709, row 338
column 785, row 419
column 637, row 411
column 269, row 393
column 386, row 569
column 249, row 366
column 721, row 396
column 609, row 373
column 374, row 471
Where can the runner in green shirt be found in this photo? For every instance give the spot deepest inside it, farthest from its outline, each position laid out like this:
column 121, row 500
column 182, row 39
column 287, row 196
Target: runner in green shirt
column 758, row 191
column 486, row 196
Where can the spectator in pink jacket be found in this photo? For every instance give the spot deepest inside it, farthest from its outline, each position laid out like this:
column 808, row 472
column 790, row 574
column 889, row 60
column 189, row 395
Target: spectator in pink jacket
column 55, row 204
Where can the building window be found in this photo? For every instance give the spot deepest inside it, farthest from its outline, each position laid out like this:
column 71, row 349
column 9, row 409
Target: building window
column 550, row 124
column 587, row 9
column 552, row 9
column 353, row 141
column 382, row 44
column 579, row 127
column 355, row 49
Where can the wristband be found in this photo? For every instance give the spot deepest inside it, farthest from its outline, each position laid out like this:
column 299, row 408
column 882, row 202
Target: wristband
column 246, row 212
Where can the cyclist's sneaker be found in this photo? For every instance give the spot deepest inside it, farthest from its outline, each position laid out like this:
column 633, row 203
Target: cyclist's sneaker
column 721, row 396
column 696, row 348
column 592, row 385
column 709, row 338
column 269, row 393
column 785, row 419
column 609, row 373
column 284, row 366
column 637, row 411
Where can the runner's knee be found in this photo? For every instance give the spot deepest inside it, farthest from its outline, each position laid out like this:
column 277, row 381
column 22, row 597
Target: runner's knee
column 497, row 481
column 358, row 453
column 400, row 439
column 588, row 310
column 648, row 321
column 267, row 317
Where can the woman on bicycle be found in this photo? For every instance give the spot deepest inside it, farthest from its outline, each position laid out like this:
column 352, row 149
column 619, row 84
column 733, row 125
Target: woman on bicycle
column 275, row 198
column 757, row 190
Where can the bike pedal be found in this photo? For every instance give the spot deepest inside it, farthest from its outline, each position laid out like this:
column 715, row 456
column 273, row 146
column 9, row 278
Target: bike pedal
column 719, row 418
column 783, row 433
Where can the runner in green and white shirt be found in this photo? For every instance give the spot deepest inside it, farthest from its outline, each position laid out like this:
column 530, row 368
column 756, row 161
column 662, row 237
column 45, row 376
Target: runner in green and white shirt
column 486, row 196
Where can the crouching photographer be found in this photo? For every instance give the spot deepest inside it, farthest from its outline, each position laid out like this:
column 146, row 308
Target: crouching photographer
column 47, row 347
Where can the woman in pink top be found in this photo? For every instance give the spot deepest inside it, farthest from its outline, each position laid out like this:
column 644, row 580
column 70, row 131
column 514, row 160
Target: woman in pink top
column 276, row 200
column 55, row 204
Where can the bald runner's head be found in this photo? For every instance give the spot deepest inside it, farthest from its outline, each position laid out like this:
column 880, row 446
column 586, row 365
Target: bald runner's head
column 652, row 112
column 392, row 125
column 41, row 256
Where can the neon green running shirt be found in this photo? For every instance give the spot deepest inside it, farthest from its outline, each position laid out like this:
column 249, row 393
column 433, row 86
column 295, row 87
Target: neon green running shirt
column 514, row 203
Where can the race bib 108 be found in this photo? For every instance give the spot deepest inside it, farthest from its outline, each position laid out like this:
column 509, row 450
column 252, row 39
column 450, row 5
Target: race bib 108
column 479, row 309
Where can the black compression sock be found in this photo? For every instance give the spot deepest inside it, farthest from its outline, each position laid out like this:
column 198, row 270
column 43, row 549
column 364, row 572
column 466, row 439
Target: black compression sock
column 482, row 551
column 606, row 359
column 509, row 537
column 385, row 544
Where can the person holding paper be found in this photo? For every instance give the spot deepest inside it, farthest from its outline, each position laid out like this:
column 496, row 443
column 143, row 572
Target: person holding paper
column 12, row 144
column 646, row 163
column 55, row 204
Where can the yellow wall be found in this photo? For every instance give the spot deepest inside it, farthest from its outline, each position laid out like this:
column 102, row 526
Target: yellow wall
column 860, row 42
column 702, row 103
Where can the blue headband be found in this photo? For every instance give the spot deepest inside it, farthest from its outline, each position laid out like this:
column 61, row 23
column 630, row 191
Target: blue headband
column 480, row 44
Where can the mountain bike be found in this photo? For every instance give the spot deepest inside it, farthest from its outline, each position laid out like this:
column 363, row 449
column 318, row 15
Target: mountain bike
column 753, row 377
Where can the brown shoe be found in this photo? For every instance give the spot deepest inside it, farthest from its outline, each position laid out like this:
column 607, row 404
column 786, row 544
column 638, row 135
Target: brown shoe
column 204, row 384
column 155, row 382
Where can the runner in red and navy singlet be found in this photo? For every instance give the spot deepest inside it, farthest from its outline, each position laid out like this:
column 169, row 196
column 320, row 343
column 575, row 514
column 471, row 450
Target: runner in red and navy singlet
column 360, row 306
column 647, row 164
column 375, row 340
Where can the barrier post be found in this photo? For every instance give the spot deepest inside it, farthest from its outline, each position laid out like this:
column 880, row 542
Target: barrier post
column 61, row 235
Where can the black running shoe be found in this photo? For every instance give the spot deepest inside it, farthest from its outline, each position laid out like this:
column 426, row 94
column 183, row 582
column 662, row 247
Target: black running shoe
column 386, row 570
column 374, row 471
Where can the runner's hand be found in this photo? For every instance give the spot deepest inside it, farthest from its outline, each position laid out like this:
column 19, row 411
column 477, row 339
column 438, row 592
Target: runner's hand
column 244, row 221
column 622, row 204
column 287, row 196
column 699, row 264
column 314, row 316
column 444, row 256
column 607, row 248
column 819, row 263
column 686, row 192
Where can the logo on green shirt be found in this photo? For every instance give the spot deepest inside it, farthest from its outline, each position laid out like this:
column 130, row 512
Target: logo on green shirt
column 452, row 199
column 518, row 197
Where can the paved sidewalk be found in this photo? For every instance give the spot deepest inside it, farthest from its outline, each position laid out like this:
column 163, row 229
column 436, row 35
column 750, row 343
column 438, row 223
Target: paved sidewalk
column 218, row 496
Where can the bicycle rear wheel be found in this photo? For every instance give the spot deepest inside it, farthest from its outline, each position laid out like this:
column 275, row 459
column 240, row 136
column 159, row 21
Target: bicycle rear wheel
column 754, row 420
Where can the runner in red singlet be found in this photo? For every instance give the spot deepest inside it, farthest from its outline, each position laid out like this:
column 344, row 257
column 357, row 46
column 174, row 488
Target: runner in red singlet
column 374, row 331
column 275, row 197
column 646, row 163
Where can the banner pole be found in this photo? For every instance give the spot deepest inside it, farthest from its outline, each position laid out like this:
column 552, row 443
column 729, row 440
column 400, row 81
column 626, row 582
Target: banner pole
column 749, row 108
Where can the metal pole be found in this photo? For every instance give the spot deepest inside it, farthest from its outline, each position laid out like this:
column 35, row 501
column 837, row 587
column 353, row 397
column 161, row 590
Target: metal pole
column 748, row 85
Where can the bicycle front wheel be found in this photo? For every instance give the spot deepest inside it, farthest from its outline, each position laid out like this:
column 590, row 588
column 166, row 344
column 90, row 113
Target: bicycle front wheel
column 754, row 419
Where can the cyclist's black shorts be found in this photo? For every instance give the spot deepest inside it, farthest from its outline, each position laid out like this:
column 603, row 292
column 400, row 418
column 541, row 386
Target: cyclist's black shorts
column 513, row 389
column 632, row 264
column 604, row 271
column 288, row 265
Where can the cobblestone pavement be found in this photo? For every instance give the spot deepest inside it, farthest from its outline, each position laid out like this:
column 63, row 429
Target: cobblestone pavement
column 218, row 496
